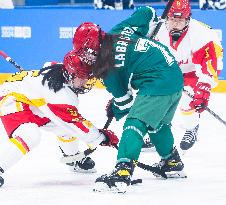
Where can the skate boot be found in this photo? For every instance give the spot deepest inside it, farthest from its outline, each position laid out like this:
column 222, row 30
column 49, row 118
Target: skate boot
column 189, row 138
column 117, row 181
column 148, row 146
column 1, row 179
column 172, row 166
column 86, row 165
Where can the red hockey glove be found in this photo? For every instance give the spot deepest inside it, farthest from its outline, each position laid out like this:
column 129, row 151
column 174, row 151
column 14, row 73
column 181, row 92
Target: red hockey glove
column 201, row 97
column 111, row 138
column 109, row 110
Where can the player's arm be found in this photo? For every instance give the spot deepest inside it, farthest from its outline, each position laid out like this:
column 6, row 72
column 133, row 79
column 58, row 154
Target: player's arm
column 142, row 21
column 80, row 127
column 119, row 86
column 208, row 61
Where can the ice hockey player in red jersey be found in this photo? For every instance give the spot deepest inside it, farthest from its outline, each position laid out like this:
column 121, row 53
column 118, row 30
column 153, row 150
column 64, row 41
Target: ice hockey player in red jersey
column 32, row 101
column 199, row 53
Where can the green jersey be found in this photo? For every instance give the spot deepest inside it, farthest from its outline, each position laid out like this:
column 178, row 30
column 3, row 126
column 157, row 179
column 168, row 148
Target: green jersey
column 143, row 21
column 141, row 63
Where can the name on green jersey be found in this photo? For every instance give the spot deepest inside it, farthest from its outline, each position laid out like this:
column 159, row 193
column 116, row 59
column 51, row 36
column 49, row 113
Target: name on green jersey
column 121, row 46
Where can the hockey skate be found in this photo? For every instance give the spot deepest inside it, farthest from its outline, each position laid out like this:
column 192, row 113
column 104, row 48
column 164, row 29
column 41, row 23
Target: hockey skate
column 117, row 181
column 86, row 165
column 189, row 139
column 1, row 179
column 172, row 166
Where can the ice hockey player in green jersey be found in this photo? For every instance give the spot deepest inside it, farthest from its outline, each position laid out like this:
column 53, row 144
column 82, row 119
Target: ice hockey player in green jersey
column 126, row 61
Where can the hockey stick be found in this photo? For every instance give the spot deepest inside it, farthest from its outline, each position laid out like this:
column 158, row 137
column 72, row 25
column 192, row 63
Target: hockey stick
column 207, row 109
column 80, row 156
column 10, row 60
column 163, row 17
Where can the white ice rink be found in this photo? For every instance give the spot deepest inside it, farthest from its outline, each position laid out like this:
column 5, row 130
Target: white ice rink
column 40, row 179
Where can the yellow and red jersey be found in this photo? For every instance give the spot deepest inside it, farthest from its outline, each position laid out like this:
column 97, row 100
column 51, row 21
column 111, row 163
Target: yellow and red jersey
column 23, row 99
column 198, row 52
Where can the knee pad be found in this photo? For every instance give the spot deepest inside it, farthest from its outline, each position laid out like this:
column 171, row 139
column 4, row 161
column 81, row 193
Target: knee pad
column 26, row 137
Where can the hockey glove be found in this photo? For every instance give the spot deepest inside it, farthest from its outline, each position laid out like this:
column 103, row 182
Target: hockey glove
column 201, row 97
column 111, row 138
column 109, row 110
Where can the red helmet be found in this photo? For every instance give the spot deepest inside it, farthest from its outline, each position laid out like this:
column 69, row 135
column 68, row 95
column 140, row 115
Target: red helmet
column 87, row 41
column 75, row 68
column 180, row 8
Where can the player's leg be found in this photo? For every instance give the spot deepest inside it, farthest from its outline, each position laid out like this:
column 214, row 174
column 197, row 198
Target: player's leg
column 24, row 139
column 129, row 148
column 163, row 140
column 21, row 128
column 171, row 162
column 189, row 120
column 70, row 146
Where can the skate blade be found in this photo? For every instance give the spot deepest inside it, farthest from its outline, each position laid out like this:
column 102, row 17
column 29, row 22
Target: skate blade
column 176, row 174
column 136, row 181
column 88, row 171
column 159, row 176
column 172, row 174
column 120, row 187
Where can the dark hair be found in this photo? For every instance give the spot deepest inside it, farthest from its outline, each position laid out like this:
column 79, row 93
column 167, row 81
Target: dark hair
column 105, row 58
column 54, row 76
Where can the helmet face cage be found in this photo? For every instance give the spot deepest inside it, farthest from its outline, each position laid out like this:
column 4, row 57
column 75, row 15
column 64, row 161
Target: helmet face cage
column 73, row 67
column 87, row 55
column 84, row 89
column 176, row 32
column 180, row 9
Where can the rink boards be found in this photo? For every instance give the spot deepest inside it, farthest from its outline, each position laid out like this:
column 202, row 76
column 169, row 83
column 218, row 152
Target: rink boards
column 32, row 36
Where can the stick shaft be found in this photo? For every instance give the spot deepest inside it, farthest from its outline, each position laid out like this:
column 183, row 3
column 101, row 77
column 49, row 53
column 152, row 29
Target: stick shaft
column 10, row 60
column 163, row 17
column 208, row 109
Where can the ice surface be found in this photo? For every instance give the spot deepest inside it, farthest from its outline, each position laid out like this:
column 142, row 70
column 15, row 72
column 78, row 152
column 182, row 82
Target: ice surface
column 40, row 179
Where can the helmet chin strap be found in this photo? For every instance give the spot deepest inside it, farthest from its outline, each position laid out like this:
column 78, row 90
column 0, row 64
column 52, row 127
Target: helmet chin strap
column 77, row 90
column 83, row 89
column 176, row 34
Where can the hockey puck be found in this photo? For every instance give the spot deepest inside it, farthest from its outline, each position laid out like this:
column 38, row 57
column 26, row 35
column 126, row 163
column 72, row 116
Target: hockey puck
column 1, row 181
column 136, row 181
